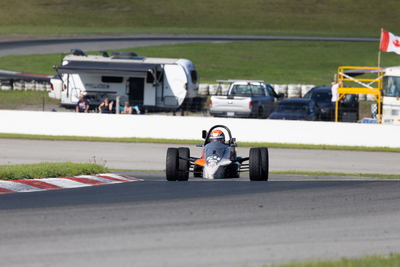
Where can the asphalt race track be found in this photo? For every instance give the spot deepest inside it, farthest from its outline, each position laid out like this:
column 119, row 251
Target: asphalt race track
column 64, row 45
column 138, row 156
column 198, row 223
column 221, row 223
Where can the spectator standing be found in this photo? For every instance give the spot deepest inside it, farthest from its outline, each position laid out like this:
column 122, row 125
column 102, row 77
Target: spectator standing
column 82, row 105
column 335, row 96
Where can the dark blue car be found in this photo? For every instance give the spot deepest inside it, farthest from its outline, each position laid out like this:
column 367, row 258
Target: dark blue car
column 323, row 97
column 297, row 109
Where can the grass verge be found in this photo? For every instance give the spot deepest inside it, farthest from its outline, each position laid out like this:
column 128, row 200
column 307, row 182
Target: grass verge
column 392, row 260
column 340, row 174
column 335, row 18
column 193, row 142
column 376, row 176
column 49, row 170
column 16, row 100
column 276, row 62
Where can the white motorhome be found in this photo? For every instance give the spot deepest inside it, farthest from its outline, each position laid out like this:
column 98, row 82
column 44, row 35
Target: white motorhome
column 152, row 84
column 385, row 89
column 391, row 98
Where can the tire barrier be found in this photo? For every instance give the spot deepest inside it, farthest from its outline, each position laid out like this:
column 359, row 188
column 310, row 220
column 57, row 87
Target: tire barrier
column 289, row 91
column 294, row 91
column 24, row 85
column 362, row 97
column 305, row 88
column 203, row 89
column 41, row 86
column 31, row 86
column 282, row 88
column 6, row 84
column 213, row 89
column 19, row 85
column 370, row 98
column 224, row 89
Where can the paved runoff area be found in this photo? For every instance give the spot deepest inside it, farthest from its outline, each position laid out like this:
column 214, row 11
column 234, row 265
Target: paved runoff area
column 30, row 185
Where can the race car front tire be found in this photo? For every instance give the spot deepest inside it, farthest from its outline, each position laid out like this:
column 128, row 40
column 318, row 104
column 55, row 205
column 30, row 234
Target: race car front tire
column 255, row 164
column 183, row 173
column 172, row 164
column 264, row 163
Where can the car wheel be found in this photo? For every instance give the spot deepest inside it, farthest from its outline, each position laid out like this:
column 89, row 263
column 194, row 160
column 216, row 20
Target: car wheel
column 172, row 165
column 183, row 173
column 255, row 164
column 264, row 163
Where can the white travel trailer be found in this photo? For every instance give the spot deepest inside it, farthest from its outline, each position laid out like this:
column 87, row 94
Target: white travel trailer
column 152, row 84
column 391, row 98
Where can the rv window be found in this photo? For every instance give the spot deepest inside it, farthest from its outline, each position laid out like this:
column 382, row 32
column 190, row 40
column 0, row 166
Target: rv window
column 193, row 75
column 111, row 79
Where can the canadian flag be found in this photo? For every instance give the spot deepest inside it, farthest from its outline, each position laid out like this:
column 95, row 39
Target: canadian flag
column 390, row 42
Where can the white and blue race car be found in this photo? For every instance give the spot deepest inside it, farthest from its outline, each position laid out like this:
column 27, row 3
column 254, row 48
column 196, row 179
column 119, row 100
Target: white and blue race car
column 218, row 159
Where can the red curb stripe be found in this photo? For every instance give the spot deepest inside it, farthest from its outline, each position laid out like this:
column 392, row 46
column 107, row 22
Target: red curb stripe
column 133, row 179
column 38, row 184
column 4, row 191
column 111, row 178
column 84, row 180
column 48, row 185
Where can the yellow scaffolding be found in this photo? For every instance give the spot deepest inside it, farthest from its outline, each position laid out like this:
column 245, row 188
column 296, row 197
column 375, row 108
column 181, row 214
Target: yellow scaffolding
column 367, row 86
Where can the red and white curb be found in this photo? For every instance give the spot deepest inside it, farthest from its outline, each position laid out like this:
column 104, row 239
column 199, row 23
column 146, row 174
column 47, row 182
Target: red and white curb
column 30, row 185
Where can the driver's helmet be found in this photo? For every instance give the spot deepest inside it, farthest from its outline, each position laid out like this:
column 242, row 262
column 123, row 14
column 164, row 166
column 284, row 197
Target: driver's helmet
column 217, row 135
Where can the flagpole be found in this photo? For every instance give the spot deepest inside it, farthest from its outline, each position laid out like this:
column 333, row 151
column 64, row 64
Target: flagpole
column 379, row 53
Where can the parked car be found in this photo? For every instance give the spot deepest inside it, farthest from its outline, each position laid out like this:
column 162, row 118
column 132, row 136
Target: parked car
column 245, row 99
column 323, row 97
column 297, row 109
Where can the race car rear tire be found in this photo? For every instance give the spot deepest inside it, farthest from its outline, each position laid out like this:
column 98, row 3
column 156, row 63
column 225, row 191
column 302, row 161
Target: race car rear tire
column 264, row 163
column 172, row 164
column 183, row 174
column 255, row 164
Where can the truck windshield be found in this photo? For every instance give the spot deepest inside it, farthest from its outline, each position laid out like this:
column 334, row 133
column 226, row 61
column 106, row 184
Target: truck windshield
column 248, row 90
column 391, row 86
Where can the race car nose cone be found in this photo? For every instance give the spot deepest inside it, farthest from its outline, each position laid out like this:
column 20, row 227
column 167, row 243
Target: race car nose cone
column 215, row 170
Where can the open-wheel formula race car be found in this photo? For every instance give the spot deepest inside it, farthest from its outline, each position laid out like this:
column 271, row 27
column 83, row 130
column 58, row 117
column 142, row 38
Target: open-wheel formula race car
column 218, row 159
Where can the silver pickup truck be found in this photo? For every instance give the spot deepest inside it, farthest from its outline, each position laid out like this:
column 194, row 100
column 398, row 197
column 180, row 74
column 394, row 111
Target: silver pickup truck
column 245, row 99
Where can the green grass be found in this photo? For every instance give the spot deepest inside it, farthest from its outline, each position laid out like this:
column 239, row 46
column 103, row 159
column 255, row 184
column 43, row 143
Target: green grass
column 193, row 142
column 277, row 62
column 17, row 99
column 305, row 175
column 49, row 170
column 393, row 260
column 339, row 174
column 269, row 17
